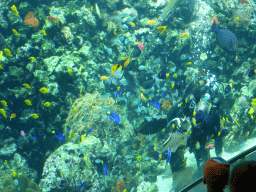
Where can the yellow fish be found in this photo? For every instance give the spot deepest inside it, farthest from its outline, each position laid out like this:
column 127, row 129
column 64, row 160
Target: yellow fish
column 34, row 116
column 115, row 32
column 251, row 111
column 103, row 78
column 70, row 133
column 70, row 71
column 1, row 67
column 8, row 52
column 47, row 104
column 132, row 24
column 189, row 63
column 14, row 9
column 143, row 97
column 43, row 33
column 13, row 115
column 151, row 22
column 4, row 103
column 237, row 19
column 26, row 85
column 43, row 90
column 1, row 55
column 91, row 9
column 160, row 156
column 161, row 29
column 28, row 102
column 2, row 111
column 32, row 59
column 14, row 174
column 15, row 32
column 115, row 67
column 82, row 138
column 248, row 133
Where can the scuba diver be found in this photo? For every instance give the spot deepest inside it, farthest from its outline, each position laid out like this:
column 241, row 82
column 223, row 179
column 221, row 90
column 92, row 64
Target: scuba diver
column 197, row 117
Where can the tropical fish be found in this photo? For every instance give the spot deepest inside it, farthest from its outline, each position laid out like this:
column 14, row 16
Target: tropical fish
column 197, row 145
column 162, row 75
column 103, row 78
column 209, row 146
column 70, row 134
column 184, row 35
column 89, row 131
column 26, row 85
column 252, row 72
column 223, row 132
column 156, row 103
column 47, row 104
column 15, row 32
column 118, row 92
column 228, row 88
column 22, row 133
column 177, row 139
column 143, row 97
column 35, row 116
column 161, row 29
column 150, row 127
column 13, row 115
column 55, row 12
column 14, row 9
column 1, row 57
column 164, row 94
column 132, row 24
column 4, row 103
column 68, row 128
column 140, row 45
column 81, row 186
column 8, row 52
column 168, row 160
column 151, row 22
column 105, row 169
column 59, row 136
column 2, row 111
column 43, row 90
column 32, row 138
column 226, row 38
column 28, row 102
column 128, row 59
column 113, row 116
column 32, row 59
column 200, row 117
column 116, row 67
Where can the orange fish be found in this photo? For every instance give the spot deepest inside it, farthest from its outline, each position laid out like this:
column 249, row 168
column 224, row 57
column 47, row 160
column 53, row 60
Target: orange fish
column 140, row 45
column 209, row 146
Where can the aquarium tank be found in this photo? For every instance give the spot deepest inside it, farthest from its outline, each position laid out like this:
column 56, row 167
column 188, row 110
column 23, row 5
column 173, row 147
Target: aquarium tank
column 124, row 95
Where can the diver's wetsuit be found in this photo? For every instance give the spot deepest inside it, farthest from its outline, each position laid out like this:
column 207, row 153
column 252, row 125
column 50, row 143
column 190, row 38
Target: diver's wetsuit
column 201, row 132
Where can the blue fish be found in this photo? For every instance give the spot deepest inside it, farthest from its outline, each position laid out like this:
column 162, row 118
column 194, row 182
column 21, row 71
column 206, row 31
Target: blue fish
column 168, row 160
column 164, row 95
column 226, row 38
column 82, row 185
column 252, row 72
column 105, row 169
column 156, row 103
column 118, row 92
column 162, row 75
column 89, row 131
column 113, row 116
column 227, row 89
column 32, row 138
column 68, row 128
column 200, row 117
column 59, row 136
column 224, row 132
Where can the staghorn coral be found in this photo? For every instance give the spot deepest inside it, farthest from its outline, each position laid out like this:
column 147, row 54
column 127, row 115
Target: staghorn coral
column 31, row 20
